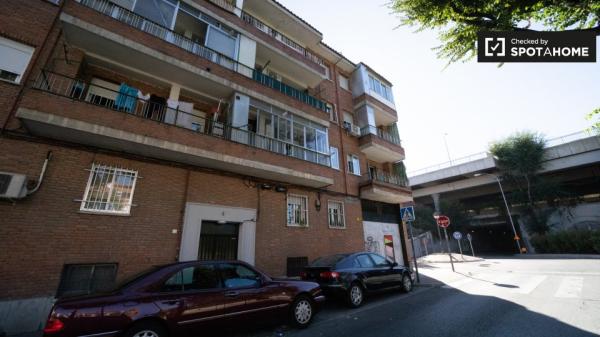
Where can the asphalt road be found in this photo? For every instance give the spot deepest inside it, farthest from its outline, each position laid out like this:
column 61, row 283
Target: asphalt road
column 495, row 297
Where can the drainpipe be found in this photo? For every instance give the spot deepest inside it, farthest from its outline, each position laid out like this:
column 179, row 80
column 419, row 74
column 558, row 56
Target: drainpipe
column 342, row 154
column 39, row 182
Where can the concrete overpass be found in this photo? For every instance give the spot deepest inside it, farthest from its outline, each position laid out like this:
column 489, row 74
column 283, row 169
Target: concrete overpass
column 574, row 156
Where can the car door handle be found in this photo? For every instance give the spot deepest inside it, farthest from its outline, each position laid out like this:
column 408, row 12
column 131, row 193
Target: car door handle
column 231, row 294
column 171, row 302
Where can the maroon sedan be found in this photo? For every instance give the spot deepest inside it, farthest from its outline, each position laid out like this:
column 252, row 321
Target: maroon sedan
column 185, row 298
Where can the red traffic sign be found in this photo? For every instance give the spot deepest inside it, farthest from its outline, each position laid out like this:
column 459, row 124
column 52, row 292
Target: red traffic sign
column 443, row 221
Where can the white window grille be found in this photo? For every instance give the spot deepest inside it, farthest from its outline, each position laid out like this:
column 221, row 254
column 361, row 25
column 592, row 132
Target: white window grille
column 297, row 210
column 335, row 209
column 353, row 164
column 109, row 190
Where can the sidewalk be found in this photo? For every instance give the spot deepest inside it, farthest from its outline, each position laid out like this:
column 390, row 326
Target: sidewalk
column 443, row 258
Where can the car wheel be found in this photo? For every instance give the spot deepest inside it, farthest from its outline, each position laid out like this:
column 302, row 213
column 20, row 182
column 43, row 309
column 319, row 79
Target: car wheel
column 302, row 311
column 146, row 329
column 407, row 284
column 356, row 295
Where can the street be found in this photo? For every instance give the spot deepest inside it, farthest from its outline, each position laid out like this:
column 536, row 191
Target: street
column 494, row 297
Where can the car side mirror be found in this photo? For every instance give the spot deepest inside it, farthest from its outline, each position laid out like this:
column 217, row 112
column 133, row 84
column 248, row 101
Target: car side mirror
column 394, row 264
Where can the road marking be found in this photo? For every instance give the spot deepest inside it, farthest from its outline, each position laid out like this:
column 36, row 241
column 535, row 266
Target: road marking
column 530, row 284
column 570, row 287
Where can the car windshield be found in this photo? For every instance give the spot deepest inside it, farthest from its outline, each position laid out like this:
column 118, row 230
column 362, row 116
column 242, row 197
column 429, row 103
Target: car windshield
column 328, row 261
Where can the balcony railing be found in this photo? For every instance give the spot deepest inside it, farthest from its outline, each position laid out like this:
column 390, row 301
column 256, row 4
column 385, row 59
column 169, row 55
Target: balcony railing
column 78, row 89
column 282, row 38
column 288, row 90
column 381, row 133
column 139, row 22
column 389, row 178
column 228, row 5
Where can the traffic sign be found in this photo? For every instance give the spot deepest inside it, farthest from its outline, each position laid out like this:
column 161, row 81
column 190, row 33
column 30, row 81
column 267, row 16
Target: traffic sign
column 469, row 237
column 443, row 221
column 407, row 213
column 457, row 235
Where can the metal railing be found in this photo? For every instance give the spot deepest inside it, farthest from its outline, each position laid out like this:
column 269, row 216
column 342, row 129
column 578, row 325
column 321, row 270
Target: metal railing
column 451, row 163
column 228, row 5
column 388, row 178
column 381, row 133
column 137, row 21
column 78, row 89
column 570, row 138
column 289, row 91
column 282, row 38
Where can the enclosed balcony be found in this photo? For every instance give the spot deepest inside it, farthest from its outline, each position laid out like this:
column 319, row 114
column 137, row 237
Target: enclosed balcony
column 385, row 187
column 93, row 113
column 381, row 144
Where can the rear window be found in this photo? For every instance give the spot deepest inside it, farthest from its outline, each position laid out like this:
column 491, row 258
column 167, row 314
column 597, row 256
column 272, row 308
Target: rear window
column 328, row 261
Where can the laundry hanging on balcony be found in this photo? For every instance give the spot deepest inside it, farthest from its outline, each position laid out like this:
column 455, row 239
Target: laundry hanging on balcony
column 127, row 98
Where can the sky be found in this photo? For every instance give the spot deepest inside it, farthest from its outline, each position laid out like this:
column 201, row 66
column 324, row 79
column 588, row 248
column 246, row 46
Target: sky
column 474, row 104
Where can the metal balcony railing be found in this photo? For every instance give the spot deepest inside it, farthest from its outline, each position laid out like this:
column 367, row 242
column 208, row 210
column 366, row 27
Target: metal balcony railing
column 139, row 22
column 78, row 89
column 228, row 5
column 388, row 178
column 381, row 133
column 289, row 91
column 282, row 38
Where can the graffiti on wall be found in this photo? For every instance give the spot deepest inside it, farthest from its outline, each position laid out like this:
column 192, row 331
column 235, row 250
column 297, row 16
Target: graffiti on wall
column 372, row 245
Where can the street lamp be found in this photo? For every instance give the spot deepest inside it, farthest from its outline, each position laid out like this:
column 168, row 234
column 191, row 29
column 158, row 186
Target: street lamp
column 507, row 210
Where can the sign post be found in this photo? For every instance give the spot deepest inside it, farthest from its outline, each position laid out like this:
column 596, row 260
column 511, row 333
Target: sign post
column 444, row 221
column 408, row 215
column 470, row 238
column 458, row 237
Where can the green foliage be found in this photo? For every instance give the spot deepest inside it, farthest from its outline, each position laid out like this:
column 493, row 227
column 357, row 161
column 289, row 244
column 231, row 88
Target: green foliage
column 576, row 241
column 459, row 20
column 594, row 117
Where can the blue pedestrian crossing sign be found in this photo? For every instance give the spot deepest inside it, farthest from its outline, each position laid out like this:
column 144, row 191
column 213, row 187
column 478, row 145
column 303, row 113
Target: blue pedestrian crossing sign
column 407, row 213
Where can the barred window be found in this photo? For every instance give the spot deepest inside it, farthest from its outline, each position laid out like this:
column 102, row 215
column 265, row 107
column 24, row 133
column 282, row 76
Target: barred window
column 109, row 190
column 297, row 210
column 335, row 209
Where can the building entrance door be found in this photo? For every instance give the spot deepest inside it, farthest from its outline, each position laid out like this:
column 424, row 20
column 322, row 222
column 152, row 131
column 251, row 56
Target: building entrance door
column 218, row 241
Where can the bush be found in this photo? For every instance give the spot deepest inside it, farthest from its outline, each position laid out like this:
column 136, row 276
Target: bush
column 576, row 241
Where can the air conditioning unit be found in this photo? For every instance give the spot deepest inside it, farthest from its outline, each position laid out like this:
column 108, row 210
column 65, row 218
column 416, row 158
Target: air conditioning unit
column 355, row 130
column 13, row 185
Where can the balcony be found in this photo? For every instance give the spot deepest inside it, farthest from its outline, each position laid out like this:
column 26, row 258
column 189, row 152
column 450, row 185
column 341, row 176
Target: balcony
column 380, row 145
column 386, row 187
column 145, row 25
column 122, row 124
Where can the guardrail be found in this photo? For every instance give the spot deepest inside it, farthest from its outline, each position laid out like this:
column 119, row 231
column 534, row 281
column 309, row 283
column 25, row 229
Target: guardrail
column 78, row 89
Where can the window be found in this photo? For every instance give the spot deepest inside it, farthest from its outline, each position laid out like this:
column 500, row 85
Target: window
column 109, row 190
column 353, row 164
column 344, row 82
column 82, row 279
column 297, row 210
column 365, row 261
column 332, row 113
column 335, row 157
column 335, row 209
column 101, row 92
column 379, row 260
column 193, row 278
column 327, row 72
column 14, row 61
column 238, row 276
column 380, row 88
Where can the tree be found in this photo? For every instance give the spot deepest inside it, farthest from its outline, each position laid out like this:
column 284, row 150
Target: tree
column 594, row 116
column 460, row 20
column 520, row 157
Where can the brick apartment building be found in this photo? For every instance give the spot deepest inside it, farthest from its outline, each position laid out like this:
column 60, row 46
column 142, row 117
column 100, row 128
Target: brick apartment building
column 174, row 130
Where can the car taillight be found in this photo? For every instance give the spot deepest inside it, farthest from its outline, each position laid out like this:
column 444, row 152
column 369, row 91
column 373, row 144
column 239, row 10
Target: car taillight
column 53, row 325
column 329, row 274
